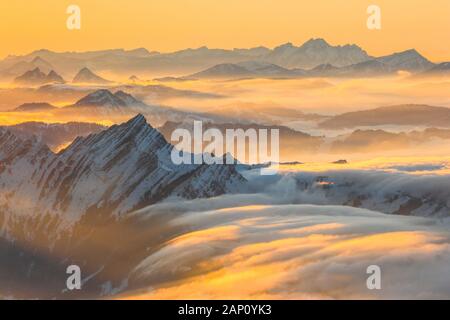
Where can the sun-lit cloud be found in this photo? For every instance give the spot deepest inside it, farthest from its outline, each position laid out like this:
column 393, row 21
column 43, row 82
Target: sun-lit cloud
column 307, row 252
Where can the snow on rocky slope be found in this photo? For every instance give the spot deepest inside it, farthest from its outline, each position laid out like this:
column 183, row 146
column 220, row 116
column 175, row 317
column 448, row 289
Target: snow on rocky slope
column 118, row 170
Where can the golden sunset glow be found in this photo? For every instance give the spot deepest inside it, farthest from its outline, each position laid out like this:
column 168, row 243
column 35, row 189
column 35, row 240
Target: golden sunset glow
column 176, row 24
column 137, row 141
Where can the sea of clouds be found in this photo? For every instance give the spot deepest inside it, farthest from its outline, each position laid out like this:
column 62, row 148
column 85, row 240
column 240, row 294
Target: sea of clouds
column 286, row 239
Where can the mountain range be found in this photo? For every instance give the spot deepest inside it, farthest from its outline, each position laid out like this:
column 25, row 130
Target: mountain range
column 410, row 61
column 311, row 54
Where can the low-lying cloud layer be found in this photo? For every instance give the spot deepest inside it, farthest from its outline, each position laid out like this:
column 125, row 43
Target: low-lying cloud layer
column 294, row 251
column 295, row 235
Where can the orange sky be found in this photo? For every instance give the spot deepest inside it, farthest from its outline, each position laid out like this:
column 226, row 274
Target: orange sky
column 167, row 25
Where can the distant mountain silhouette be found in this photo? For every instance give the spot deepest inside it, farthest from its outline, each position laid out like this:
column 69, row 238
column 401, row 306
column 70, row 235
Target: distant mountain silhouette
column 309, row 55
column 87, row 76
column 393, row 115
column 409, row 60
column 37, row 77
column 33, row 107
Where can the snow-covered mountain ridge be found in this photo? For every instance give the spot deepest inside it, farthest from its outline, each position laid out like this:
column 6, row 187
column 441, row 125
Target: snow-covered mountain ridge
column 113, row 172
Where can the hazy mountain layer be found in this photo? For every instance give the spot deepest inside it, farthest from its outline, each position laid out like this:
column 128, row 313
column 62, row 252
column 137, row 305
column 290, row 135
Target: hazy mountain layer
column 394, row 115
column 313, row 53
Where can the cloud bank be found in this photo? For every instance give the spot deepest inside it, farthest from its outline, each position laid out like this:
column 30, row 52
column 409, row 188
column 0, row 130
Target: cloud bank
column 230, row 249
